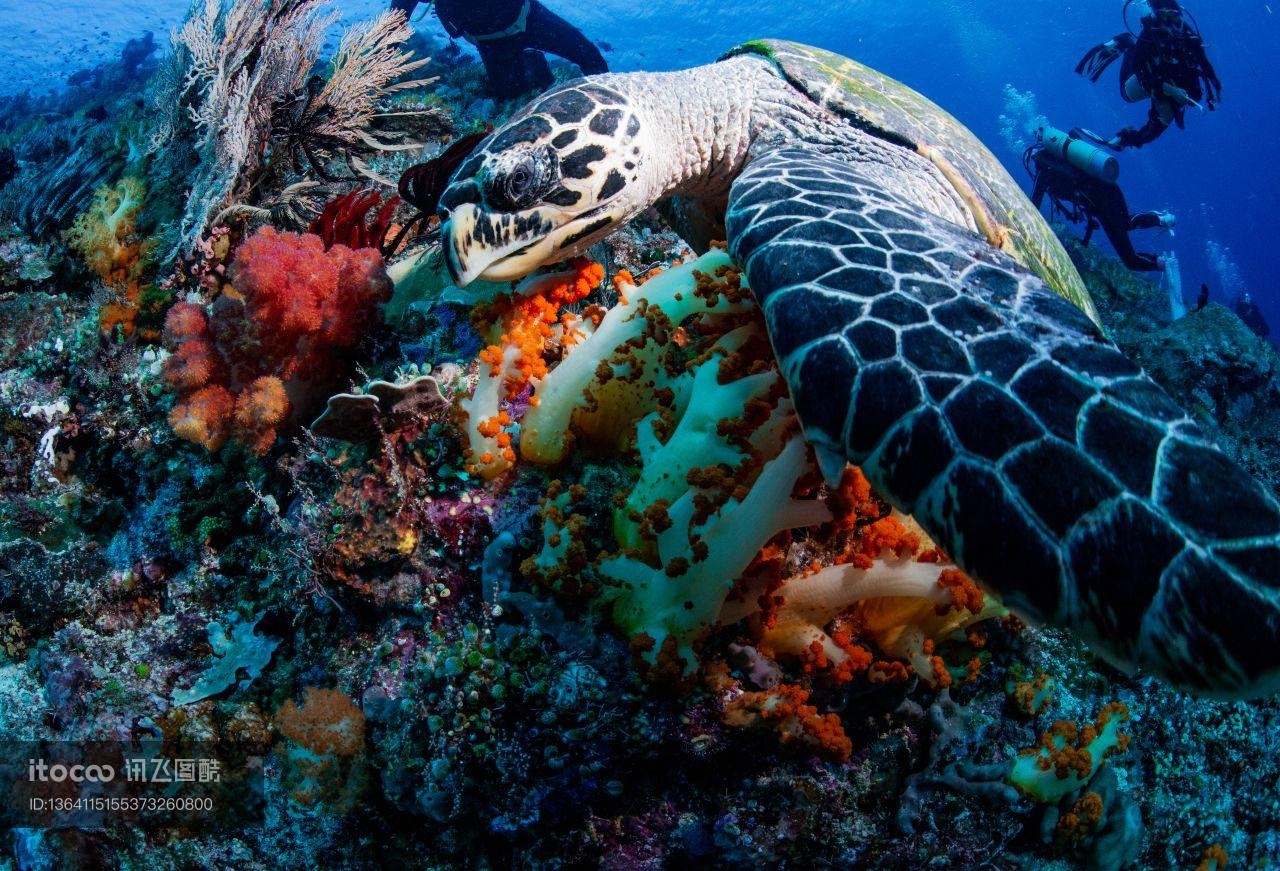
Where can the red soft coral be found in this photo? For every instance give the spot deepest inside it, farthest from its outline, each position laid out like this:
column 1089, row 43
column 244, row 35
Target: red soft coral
column 194, row 364
column 260, row 408
column 204, row 417
column 277, row 340
column 186, row 320
column 306, row 302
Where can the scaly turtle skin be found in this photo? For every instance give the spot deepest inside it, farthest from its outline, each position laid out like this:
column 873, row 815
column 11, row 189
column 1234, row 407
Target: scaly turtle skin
column 909, row 291
column 887, row 108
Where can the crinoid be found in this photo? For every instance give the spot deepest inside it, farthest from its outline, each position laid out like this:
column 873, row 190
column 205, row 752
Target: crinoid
column 420, row 186
column 330, row 119
column 301, row 128
column 292, row 209
column 346, row 220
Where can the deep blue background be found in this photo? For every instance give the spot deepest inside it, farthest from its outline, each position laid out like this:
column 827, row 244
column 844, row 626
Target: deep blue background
column 1221, row 175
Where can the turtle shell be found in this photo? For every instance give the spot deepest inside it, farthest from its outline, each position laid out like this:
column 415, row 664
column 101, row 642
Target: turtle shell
column 890, row 110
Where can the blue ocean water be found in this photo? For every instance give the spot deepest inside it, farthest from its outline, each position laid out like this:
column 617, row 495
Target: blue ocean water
column 1220, row 175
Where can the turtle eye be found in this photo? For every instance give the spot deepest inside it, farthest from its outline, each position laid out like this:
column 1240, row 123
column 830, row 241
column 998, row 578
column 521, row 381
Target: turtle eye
column 522, row 183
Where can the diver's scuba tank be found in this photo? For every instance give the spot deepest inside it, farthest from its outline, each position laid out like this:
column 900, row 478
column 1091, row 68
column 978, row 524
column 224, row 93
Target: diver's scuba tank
column 1173, row 281
column 1087, row 158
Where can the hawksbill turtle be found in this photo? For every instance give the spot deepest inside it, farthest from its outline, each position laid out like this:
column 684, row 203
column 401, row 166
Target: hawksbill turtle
column 931, row 329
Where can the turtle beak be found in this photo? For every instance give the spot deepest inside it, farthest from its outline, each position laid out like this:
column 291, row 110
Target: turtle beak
column 463, row 268
column 470, row 257
column 458, row 271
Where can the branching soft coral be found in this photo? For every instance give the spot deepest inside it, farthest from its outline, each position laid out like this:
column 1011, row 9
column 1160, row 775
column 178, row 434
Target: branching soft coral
column 204, row 416
column 785, row 708
column 244, row 371
column 892, row 594
column 1085, row 808
column 305, row 303
column 106, row 236
column 324, row 750
column 1067, row 755
column 680, row 373
column 618, row 373
column 519, row 329
column 675, row 600
column 719, row 451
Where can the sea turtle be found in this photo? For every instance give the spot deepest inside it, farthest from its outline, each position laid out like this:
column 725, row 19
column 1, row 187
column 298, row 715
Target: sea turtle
column 909, row 291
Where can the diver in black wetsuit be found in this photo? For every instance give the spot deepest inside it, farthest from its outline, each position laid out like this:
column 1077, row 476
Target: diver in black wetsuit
column 1165, row 63
column 1249, row 313
column 511, row 36
column 8, row 166
column 1081, row 197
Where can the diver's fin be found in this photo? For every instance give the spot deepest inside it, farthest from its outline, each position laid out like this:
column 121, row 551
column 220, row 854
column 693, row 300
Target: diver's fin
column 1098, row 58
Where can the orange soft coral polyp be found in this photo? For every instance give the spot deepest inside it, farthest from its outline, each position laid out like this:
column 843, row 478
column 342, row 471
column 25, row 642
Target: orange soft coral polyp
column 520, row 328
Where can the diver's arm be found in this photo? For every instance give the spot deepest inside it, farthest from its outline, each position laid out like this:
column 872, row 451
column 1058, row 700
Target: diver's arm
column 1042, row 186
column 1149, row 132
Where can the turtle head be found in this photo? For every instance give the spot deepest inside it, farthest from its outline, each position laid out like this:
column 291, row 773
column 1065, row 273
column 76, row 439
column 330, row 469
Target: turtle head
column 561, row 175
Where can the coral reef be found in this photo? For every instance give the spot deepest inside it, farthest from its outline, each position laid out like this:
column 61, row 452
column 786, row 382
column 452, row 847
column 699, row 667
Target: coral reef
column 541, row 577
column 241, row 76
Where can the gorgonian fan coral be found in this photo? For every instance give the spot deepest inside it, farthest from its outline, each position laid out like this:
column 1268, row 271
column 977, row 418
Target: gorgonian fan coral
column 242, row 76
column 270, row 346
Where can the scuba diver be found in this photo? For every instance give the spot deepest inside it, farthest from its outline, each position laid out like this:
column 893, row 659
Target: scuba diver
column 8, row 166
column 1203, row 299
column 1165, row 63
column 511, row 36
column 1080, row 181
column 1249, row 313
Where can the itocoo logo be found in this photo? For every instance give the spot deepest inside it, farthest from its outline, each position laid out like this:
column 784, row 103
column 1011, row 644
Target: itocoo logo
column 39, row 770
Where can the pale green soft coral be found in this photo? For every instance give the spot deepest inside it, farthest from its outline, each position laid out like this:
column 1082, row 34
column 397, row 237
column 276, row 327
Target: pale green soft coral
column 239, row 648
column 716, row 442
column 1068, row 755
column 701, row 404
column 678, row 600
column 586, row 392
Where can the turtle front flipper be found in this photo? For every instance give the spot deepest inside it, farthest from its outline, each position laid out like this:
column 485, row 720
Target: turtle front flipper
column 1041, row 458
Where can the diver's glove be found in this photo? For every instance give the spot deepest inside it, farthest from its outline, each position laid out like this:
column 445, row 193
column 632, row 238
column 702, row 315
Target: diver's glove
column 1168, row 220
